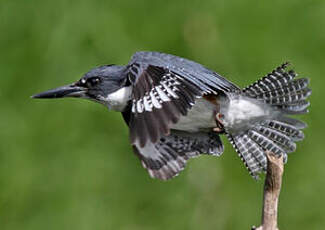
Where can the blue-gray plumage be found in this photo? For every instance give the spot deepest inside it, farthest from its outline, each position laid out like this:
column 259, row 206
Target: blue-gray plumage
column 176, row 109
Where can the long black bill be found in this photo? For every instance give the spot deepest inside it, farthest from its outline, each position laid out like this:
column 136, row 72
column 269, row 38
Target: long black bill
column 63, row 91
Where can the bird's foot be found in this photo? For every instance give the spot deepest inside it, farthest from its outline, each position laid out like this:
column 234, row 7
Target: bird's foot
column 219, row 117
column 219, row 128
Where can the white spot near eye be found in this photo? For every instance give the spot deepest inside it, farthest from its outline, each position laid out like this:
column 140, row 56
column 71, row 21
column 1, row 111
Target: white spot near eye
column 83, row 81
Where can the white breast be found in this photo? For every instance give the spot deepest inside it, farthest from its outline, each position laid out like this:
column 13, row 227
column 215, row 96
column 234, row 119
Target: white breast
column 118, row 100
column 200, row 116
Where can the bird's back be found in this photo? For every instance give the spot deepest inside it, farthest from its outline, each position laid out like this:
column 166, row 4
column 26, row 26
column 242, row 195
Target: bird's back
column 182, row 66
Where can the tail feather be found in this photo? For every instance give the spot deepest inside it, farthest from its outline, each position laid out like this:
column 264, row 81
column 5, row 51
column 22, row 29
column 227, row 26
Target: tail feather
column 290, row 98
column 278, row 138
column 287, row 129
column 252, row 145
column 265, row 142
column 250, row 153
column 290, row 88
column 297, row 108
column 294, row 122
column 281, row 90
column 272, row 81
column 278, row 134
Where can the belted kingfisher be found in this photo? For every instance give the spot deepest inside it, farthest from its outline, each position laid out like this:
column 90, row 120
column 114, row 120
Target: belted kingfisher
column 177, row 109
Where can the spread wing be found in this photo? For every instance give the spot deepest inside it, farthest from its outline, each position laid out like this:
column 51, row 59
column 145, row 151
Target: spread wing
column 168, row 157
column 165, row 87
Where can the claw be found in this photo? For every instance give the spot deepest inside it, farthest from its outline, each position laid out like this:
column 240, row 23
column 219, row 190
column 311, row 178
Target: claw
column 219, row 117
column 219, row 128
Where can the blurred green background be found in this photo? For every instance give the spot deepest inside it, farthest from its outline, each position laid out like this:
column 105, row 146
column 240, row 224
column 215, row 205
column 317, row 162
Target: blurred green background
column 68, row 164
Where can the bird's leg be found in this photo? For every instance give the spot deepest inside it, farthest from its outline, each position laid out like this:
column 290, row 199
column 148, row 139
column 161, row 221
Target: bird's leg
column 219, row 128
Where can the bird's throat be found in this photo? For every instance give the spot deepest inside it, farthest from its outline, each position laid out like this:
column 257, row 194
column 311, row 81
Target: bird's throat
column 119, row 99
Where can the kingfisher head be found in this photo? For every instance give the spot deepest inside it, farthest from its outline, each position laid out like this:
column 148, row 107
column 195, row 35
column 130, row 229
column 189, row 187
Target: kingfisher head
column 105, row 84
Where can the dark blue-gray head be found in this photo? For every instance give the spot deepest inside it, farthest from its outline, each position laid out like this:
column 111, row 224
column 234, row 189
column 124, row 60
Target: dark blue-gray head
column 105, row 84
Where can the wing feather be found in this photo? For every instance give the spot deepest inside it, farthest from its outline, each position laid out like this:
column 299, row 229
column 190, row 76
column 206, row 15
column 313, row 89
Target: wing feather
column 165, row 87
column 168, row 156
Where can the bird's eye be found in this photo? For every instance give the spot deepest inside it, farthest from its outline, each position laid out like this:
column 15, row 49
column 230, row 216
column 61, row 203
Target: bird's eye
column 93, row 81
column 89, row 82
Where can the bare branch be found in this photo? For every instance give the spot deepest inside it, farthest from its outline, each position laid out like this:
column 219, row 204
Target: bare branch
column 272, row 188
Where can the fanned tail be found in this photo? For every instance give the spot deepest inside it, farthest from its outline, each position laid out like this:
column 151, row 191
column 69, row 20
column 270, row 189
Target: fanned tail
column 275, row 136
column 249, row 152
column 280, row 89
column 285, row 93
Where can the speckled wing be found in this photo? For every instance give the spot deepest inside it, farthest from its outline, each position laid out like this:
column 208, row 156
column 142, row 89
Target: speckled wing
column 165, row 87
column 166, row 158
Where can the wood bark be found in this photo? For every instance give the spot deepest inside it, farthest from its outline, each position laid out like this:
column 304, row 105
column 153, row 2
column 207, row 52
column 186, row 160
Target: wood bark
column 272, row 188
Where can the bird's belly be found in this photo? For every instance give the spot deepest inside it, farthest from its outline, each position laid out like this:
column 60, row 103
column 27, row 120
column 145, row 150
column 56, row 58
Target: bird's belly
column 241, row 113
column 200, row 117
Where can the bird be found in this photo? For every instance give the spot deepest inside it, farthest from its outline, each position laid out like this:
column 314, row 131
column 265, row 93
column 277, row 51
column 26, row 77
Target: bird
column 177, row 109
